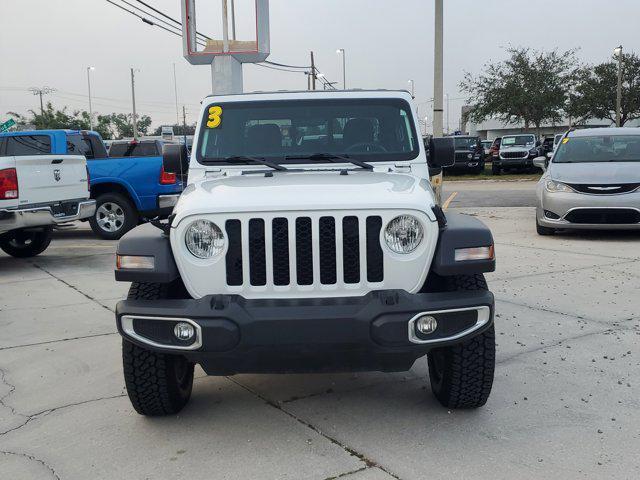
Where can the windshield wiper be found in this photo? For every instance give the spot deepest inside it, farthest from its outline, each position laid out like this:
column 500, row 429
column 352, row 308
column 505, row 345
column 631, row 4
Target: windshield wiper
column 261, row 161
column 331, row 158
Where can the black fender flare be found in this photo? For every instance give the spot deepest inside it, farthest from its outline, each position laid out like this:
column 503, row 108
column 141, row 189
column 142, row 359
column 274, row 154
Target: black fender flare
column 148, row 241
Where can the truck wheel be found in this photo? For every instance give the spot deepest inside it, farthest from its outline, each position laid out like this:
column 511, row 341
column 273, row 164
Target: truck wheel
column 26, row 243
column 157, row 383
column 544, row 230
column 495, row 169
column 461, row 375
column 115, row 216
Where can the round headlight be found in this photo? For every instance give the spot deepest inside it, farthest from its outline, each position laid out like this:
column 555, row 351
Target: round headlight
column 403, row 234
column 204, row 239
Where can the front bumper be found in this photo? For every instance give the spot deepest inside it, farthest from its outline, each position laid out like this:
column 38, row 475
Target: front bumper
column 372, row 332
column 525, row 162
column 568, row 205
column 42, row 215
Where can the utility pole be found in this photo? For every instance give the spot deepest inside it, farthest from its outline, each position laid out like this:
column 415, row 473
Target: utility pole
column 40, row 92
column 89, row 88
column 438, row 65
column 340, row 51
column 448, row 98
column 184, row 125
column 175, row 91
column 313, row 73
column 618, row 52
column 133, row 99
column 233, row 20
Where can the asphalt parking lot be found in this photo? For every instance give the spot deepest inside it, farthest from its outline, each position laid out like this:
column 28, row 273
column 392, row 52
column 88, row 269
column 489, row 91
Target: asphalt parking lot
column 565, row 403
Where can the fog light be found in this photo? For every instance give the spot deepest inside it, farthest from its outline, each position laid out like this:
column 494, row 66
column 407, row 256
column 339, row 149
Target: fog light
column 426, row 324
column 184, row 331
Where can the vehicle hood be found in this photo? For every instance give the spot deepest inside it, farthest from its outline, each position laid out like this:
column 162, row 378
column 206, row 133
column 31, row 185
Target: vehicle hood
column 604, row 173
column 306, row 191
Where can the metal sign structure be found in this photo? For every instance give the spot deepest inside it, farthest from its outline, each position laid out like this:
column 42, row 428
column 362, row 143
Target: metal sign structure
column 4, row 127
column 227, row 53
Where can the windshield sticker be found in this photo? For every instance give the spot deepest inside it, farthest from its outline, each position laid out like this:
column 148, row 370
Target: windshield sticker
column 215, row 117
column 565, row 140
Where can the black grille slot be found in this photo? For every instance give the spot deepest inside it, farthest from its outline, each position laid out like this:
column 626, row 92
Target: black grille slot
column 606, row 189
column 604, row 216
column 233, row 259
column 351, row 250
column 280, row 227
column 375, row 259
column 328, row 274
column 257, row 260
column 304, row 251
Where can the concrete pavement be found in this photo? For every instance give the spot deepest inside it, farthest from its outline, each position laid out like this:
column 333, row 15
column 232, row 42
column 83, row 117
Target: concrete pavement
column 565, row 401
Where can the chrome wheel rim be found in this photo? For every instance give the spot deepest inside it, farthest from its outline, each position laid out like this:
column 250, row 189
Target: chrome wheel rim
column 110, row 217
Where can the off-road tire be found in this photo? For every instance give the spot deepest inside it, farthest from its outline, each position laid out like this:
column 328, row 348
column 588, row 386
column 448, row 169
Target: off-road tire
column 461, row 375
column 544, row 230
column 25, row 244
column 124, row 205
column 157, row 383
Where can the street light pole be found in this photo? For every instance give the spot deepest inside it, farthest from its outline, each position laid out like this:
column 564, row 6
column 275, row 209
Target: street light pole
column 438, row 65
column 340, row 51
column 175, row 91
column 618, row 52
column 413, row 90
column 89, row 88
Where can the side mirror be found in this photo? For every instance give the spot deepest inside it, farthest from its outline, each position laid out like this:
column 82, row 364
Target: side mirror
column 175, row 158
column 442, row 152
column 540, row 162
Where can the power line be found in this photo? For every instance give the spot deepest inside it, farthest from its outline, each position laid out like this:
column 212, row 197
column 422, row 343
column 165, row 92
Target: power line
column 150, row 7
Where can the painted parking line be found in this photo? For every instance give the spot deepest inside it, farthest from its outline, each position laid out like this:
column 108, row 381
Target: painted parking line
column 445, row 205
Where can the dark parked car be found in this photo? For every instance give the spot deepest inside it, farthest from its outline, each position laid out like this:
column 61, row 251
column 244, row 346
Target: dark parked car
column 469, row 155
column 494, row 151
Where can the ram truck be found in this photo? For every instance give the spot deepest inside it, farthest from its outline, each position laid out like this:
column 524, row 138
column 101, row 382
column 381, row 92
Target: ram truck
column 307, row 240
column 39, row 187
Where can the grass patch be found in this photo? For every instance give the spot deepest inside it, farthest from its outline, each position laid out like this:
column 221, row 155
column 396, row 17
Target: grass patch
column 487, row 175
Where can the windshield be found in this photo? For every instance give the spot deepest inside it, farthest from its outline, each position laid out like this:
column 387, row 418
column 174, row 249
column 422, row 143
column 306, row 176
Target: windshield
column 466, row 143
column 285, row 130
column 599, row 148
column 517, row 140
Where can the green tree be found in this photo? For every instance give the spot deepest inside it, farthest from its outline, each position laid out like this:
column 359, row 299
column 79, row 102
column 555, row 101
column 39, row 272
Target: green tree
column 122, row 124
column 178, row 130
column 595, row 91
column 529, row 87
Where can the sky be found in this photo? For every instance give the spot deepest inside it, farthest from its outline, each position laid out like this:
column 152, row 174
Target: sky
column 387, row 43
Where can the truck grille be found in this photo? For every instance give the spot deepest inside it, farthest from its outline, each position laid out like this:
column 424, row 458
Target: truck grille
column 513, row 155
column 325, row 250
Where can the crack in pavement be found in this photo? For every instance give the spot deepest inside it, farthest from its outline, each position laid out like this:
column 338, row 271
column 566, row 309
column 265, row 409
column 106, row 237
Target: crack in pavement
column 351, row 451
column 73, row 287
column 577, row 269
column 35, row 459
column 567, row 251
column 361, row 469
column 93, row 335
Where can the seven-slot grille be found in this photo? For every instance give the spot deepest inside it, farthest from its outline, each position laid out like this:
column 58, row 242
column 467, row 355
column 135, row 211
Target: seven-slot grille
column 305, row 251
column 514, row 155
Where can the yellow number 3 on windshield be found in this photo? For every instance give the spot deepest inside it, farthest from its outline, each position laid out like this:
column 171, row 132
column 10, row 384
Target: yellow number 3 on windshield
column 215, row 117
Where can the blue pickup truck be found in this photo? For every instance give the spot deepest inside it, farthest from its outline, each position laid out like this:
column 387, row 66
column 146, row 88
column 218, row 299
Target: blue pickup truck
column 129, row 184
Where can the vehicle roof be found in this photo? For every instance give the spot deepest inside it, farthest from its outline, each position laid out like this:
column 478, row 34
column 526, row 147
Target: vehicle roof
column 590, row 132
column 518, row 135
column 66, row 131
column 305, row 94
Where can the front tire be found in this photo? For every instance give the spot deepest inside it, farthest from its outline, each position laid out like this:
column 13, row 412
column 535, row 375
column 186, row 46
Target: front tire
column 26, row 243
column 461, row 375
column 115, row 216
column 495, row 169
column 157, row 383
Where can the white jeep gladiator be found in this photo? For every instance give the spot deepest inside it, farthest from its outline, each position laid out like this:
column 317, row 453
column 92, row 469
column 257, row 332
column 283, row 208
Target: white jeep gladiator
column 307, row 240
column 38, row 189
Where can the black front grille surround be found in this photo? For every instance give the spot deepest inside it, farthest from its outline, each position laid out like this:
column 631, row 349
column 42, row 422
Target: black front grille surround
column 514, row 155
column 305, row 232
column 604, row 216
